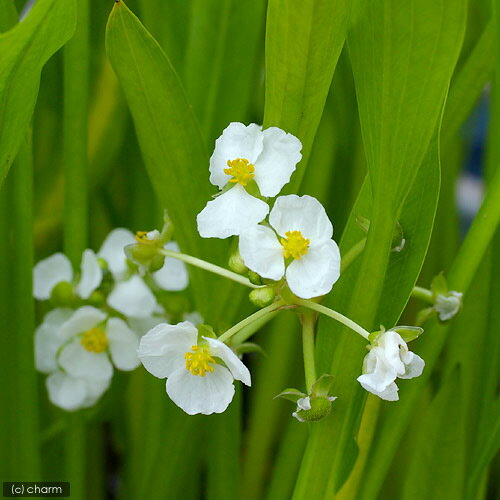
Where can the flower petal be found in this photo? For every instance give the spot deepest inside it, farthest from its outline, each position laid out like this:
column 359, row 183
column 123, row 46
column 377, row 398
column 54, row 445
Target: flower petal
column 83, row 319
column 231, row 213
column 390, row 393
column 162, row 349
column 132, row 298
column 65, row 391
column 304, row 214
column 238, row 370
column 414, row 366
column 95, row 389
column 262, row 252
column 377, row 373
column 277, row 162
column 91, row 274
column 123, row 343
column 316, row 272
column 78, row 362
column 173, row 276
column 48, row 340
column 237, row 141
column 112, row 251
column 195, row 394
column 48, row 273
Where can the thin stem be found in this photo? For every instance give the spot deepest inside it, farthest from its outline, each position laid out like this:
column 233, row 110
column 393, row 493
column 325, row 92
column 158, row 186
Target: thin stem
column 207, row 266
column 251, row 319
column 246, row 332
column 334, row 315
column 351, row 255
column 308, row 323
column 422, row 294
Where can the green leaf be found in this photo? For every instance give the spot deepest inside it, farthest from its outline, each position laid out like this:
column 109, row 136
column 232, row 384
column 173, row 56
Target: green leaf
column 303, row 44
column 291, row 394
column 168, row 133
column 25, row 49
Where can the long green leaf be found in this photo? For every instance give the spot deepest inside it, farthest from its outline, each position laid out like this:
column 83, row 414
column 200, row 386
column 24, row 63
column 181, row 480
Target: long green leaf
column 168, row 132
column 303, row 43
column 25, row 49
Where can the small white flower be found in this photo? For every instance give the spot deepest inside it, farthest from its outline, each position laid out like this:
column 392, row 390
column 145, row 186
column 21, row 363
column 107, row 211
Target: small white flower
column 197, row 382
column 447, row 306
column 113, row 251
column 306, row 232
column 388, row 359
column 72, row 393
column 243, row 154
column 57, row 268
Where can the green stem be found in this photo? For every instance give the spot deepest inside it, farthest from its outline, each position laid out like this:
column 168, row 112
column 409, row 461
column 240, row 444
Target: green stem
column 207, row 266
column 251, row 319
column 351, row 255
column 423, row 294
column 308, row 324
column 334, row 315
column 75, row 141
column 246, row 332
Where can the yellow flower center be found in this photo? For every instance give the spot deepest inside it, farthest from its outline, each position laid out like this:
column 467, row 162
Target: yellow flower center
column 294, row 245
column 241, row 170
column 147, row 237
column 94, row 340
column 198, row 361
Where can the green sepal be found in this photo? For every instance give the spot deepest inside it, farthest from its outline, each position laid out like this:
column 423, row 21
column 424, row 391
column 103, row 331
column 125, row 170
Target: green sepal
column 146, row 256
column 425, row 315
column 322, row 386
column 262, row 297
column 408, row 333
column 248, row 347
column 205, row 331
column 439, row 285
column 254, row 278
column 373, row 335
column 291, row 394
column 236, row 263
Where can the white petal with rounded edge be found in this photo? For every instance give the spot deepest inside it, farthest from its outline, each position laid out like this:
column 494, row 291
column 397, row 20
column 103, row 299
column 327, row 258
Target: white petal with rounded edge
column 48, row 339
column 95, row 389
column 173, row 276
column 65, row 391
column 230, row 214
column 132, row 298
column 91, row 274
column 390, row 393
column 112, row 251
column 123, row 343
column 414, row 366
column 238, row 370
column 237, row 141
column 195, row 394
column 262, row 252
column 316, row 272
column 78, row 362
column 142, row 325
column 277, row 162
column 83, row 319
column 304, row 214
column 162, row 349
column 48, row 273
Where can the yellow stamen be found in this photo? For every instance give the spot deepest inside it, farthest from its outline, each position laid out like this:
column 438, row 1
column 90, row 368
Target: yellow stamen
column 294, row 245
column 241, row 170
column 141, row 236
column 198, row 362
column 94, row 340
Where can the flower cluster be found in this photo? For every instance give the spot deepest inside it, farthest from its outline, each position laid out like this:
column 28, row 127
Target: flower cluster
column 98, row 317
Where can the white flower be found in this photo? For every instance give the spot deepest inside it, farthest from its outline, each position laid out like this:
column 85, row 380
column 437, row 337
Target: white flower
column 131, row 296
column 73, row 393
column 243, row 154
column 388, row 359
column 197, row 381
column 57, row 268
column 447, row 306
column 306, row 232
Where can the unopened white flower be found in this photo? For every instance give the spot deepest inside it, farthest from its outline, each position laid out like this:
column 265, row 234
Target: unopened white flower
column 388, row 359
column 305, row 241
column 447, row 306
column 199, row 376
column 57, row 268
column 73, row 393
column 244, row 154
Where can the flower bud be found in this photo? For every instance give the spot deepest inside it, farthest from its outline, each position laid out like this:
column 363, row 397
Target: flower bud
column 145, row 255
column 312, row 409
column 262, row 297
column 254, row 278
column 63, row 295
column 97, row 299
column 236, row 263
